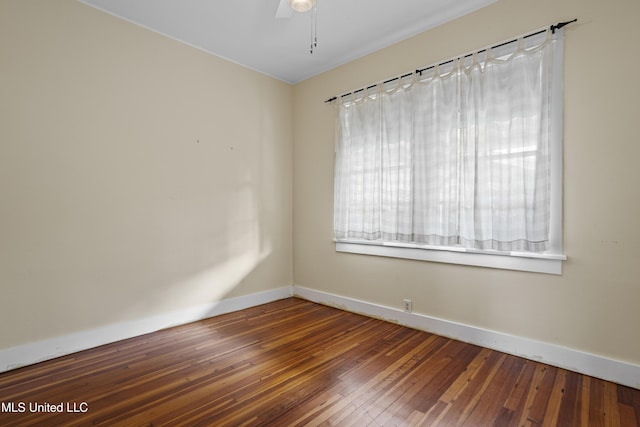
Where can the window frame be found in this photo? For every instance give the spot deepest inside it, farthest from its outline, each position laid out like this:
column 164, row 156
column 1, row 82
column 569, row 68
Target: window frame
column 549, row 262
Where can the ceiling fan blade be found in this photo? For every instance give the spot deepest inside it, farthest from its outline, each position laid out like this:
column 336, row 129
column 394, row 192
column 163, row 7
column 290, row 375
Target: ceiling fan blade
column 284, row 10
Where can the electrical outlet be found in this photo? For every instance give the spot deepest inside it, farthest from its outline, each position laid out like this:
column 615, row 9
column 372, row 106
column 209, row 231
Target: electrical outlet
column 407, row 305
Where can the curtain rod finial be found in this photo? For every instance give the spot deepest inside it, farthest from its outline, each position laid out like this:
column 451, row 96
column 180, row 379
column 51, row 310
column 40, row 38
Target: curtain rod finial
column 561, row 24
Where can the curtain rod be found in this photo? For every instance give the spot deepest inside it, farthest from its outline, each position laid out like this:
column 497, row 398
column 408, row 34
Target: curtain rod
column 553, row 29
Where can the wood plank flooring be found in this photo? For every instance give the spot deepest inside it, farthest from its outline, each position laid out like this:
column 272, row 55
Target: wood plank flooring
column 296, row 363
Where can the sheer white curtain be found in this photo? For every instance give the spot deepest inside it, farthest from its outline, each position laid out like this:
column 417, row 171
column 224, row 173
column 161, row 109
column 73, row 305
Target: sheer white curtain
column 459, row 156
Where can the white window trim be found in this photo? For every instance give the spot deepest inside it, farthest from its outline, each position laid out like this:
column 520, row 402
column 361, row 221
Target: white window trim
column 522, row 261
column 549, row 263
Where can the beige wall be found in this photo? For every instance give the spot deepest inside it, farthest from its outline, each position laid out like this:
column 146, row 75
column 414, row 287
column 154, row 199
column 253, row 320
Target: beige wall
column 593, row 306
column 137, row 175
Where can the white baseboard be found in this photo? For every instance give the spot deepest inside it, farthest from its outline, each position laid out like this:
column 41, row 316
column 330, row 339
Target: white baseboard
column 597, row 366
column 574, row 360
column 39, row 351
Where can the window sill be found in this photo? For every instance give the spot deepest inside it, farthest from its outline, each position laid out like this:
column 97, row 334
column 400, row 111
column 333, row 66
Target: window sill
column 537, row 263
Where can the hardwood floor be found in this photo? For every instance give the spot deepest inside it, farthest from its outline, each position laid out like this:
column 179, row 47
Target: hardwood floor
column 292, row 362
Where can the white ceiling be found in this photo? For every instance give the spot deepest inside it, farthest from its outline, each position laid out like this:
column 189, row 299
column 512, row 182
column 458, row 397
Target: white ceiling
column 248, row 33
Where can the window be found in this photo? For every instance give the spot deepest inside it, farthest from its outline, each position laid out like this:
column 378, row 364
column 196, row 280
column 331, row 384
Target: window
column 462, row 163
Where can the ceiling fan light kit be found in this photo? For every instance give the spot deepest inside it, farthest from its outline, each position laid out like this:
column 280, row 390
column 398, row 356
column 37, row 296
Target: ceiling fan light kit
column 302, row 5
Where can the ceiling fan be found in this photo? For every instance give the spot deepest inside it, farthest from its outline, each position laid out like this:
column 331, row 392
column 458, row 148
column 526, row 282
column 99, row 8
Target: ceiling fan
column 287, row 7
